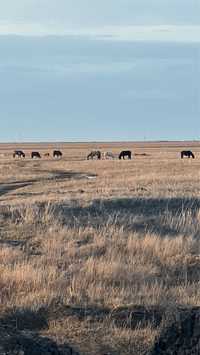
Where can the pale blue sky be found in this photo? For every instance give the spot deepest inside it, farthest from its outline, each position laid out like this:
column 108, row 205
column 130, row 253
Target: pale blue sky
column 101, row 12
column 108, row 70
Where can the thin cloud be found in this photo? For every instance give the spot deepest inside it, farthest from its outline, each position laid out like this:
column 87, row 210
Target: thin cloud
column 115, row 33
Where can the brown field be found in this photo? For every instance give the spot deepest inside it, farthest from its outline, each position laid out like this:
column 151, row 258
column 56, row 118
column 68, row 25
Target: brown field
column 100, row 255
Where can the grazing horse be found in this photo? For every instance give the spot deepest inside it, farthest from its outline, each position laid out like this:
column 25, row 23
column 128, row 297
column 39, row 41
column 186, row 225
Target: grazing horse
column 187, row 153
column 57, row 154
column 35, row 155
column 108, row 155
column 94, row 154
column 18, row 154
column 125, row 153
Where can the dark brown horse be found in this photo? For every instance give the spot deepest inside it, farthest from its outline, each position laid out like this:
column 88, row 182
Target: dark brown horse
column 125, row 154
column 57, row 154
column 187, row 153
column 18, row 154
column 35, row 155
column 96, row 154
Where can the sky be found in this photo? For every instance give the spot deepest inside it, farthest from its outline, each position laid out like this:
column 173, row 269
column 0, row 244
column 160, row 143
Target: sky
column 99, row 70
column 95, row 13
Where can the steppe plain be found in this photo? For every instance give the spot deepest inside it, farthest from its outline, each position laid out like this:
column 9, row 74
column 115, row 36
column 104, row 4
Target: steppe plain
column 99, row 255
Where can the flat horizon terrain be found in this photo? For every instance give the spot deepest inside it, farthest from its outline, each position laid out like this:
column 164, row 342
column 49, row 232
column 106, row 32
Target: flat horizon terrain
column 99, row 255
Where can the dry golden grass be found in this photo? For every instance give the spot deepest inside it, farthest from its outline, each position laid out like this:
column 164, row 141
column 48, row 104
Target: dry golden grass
column 94, row 237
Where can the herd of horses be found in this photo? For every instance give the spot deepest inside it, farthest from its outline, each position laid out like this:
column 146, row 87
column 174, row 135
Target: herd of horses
column 36, row 155
column 95, row 154
column 58, row 154
column 127, row 154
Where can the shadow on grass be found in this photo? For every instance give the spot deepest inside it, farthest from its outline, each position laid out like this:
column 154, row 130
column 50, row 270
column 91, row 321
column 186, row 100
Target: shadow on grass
column 19, row 330
column 19, row 335
column 140, row 215
column 123, row 317
column 180, row 331
column 133, row 214
column 181, row 336
column 55, row 175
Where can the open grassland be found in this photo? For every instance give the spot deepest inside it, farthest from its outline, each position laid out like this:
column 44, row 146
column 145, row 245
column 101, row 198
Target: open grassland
column 98, row 254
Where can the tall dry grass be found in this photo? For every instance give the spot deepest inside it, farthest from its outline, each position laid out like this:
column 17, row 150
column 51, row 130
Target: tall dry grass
column 53, row 263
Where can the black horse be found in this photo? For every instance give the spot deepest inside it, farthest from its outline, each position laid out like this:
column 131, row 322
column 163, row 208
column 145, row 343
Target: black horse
column 94, row 154
column 57, row 154
column 187, row 153
column 18, row 154
column 125, row 153
column 35, row 155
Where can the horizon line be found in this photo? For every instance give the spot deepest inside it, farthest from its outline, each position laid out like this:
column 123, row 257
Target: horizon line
column 104, row 141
